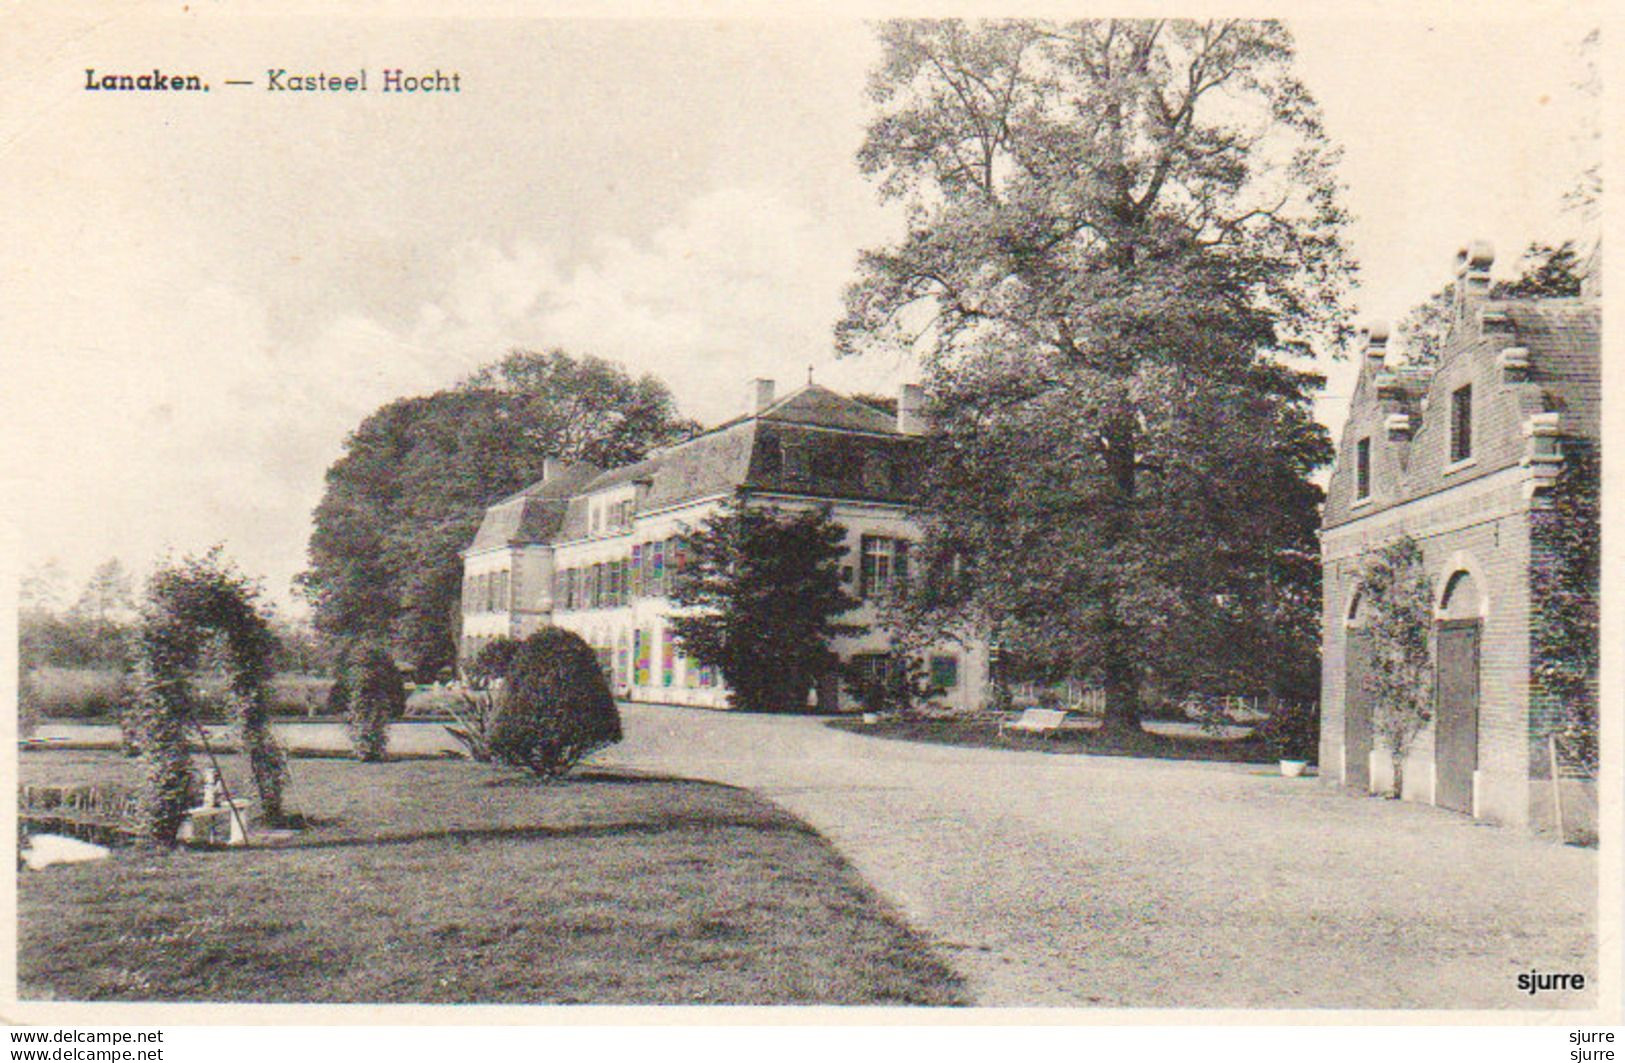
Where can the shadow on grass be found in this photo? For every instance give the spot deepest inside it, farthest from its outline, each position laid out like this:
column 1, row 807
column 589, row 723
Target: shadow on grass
column 1092, row 741
column 622, row 828
column 231, row 749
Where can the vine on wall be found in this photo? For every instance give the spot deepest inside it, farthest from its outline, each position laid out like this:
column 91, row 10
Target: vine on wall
column 1564, row 586
column 1399, row 597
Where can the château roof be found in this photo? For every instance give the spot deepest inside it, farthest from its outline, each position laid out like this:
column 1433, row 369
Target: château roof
column 813, row 442
column 534, row 513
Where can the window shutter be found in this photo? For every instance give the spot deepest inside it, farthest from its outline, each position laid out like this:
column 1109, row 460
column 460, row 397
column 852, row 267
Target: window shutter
column 900, row 565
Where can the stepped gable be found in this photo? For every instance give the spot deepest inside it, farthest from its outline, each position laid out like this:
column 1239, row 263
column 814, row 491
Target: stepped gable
column 1522, row 358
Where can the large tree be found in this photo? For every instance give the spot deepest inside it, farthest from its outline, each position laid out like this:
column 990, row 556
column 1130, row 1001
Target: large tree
column 1123, row 237
column 416, row 476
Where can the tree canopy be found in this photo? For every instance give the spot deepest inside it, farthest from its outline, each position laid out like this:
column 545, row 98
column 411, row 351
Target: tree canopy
column 1122, row 237
column 94, row 632
column 410, row 489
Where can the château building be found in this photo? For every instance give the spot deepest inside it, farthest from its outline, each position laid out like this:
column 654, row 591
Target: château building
column 594, row 550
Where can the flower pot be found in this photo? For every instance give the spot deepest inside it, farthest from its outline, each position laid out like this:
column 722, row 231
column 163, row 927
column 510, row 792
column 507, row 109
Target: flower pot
column 1293, row 768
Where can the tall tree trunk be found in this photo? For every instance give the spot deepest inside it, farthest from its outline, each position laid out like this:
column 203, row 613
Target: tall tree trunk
column 1122, row 679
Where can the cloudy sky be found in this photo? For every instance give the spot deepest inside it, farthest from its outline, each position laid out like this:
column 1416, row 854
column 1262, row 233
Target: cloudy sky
column 205, row 293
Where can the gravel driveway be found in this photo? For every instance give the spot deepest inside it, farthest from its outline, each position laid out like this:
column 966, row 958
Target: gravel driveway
column 1077, row 880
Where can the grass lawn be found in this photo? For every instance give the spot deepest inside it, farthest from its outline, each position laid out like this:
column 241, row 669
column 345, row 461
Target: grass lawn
column 1166, row 742
column 447, row 881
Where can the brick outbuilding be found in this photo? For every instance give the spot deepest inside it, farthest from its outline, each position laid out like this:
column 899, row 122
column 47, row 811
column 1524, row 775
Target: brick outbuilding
column 1458, row 455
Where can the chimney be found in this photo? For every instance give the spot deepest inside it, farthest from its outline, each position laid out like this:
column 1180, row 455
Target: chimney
column 552, row 469
column 759, row 395
column 911, row 410
column 1374, row 344
column 1472, row 282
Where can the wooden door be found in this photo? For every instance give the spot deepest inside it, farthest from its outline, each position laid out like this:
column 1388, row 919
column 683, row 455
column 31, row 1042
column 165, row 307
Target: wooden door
column 1455, row 745
column 1357, row 711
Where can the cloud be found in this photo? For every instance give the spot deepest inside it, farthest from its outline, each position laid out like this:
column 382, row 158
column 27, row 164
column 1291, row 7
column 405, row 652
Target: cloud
column 740, row 284
column 169, row 414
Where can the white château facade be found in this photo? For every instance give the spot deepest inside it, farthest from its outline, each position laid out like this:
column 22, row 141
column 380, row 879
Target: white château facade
column 593, row 550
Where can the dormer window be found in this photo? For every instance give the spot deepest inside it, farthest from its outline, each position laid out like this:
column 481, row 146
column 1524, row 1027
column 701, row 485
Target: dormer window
column 1461, row 423
column 1362, row 469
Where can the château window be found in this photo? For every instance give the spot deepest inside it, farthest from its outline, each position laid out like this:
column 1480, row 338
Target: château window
column 1461, row 423
column 884, row 566
column 1362, row 469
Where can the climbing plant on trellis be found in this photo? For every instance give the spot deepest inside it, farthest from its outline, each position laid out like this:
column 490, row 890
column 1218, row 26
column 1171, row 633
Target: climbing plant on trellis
column 1399, row 597
column 187, row 604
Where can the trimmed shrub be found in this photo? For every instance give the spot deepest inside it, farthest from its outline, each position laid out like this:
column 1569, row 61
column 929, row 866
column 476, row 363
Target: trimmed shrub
column 554, row 708
column 379, row 696
column 492, row 662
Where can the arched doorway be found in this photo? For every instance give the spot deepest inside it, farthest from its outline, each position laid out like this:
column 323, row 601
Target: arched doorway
column 1456, row 652
column 1357, row 704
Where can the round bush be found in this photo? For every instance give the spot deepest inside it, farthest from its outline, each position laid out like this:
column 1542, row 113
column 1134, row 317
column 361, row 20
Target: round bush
column 555, row 707
column 378, row 696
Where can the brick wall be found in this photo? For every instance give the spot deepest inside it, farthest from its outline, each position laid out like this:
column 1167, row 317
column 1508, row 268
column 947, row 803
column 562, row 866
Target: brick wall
column 1482, row 528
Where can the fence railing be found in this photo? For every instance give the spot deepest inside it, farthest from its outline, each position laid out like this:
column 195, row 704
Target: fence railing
column 105, row 815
